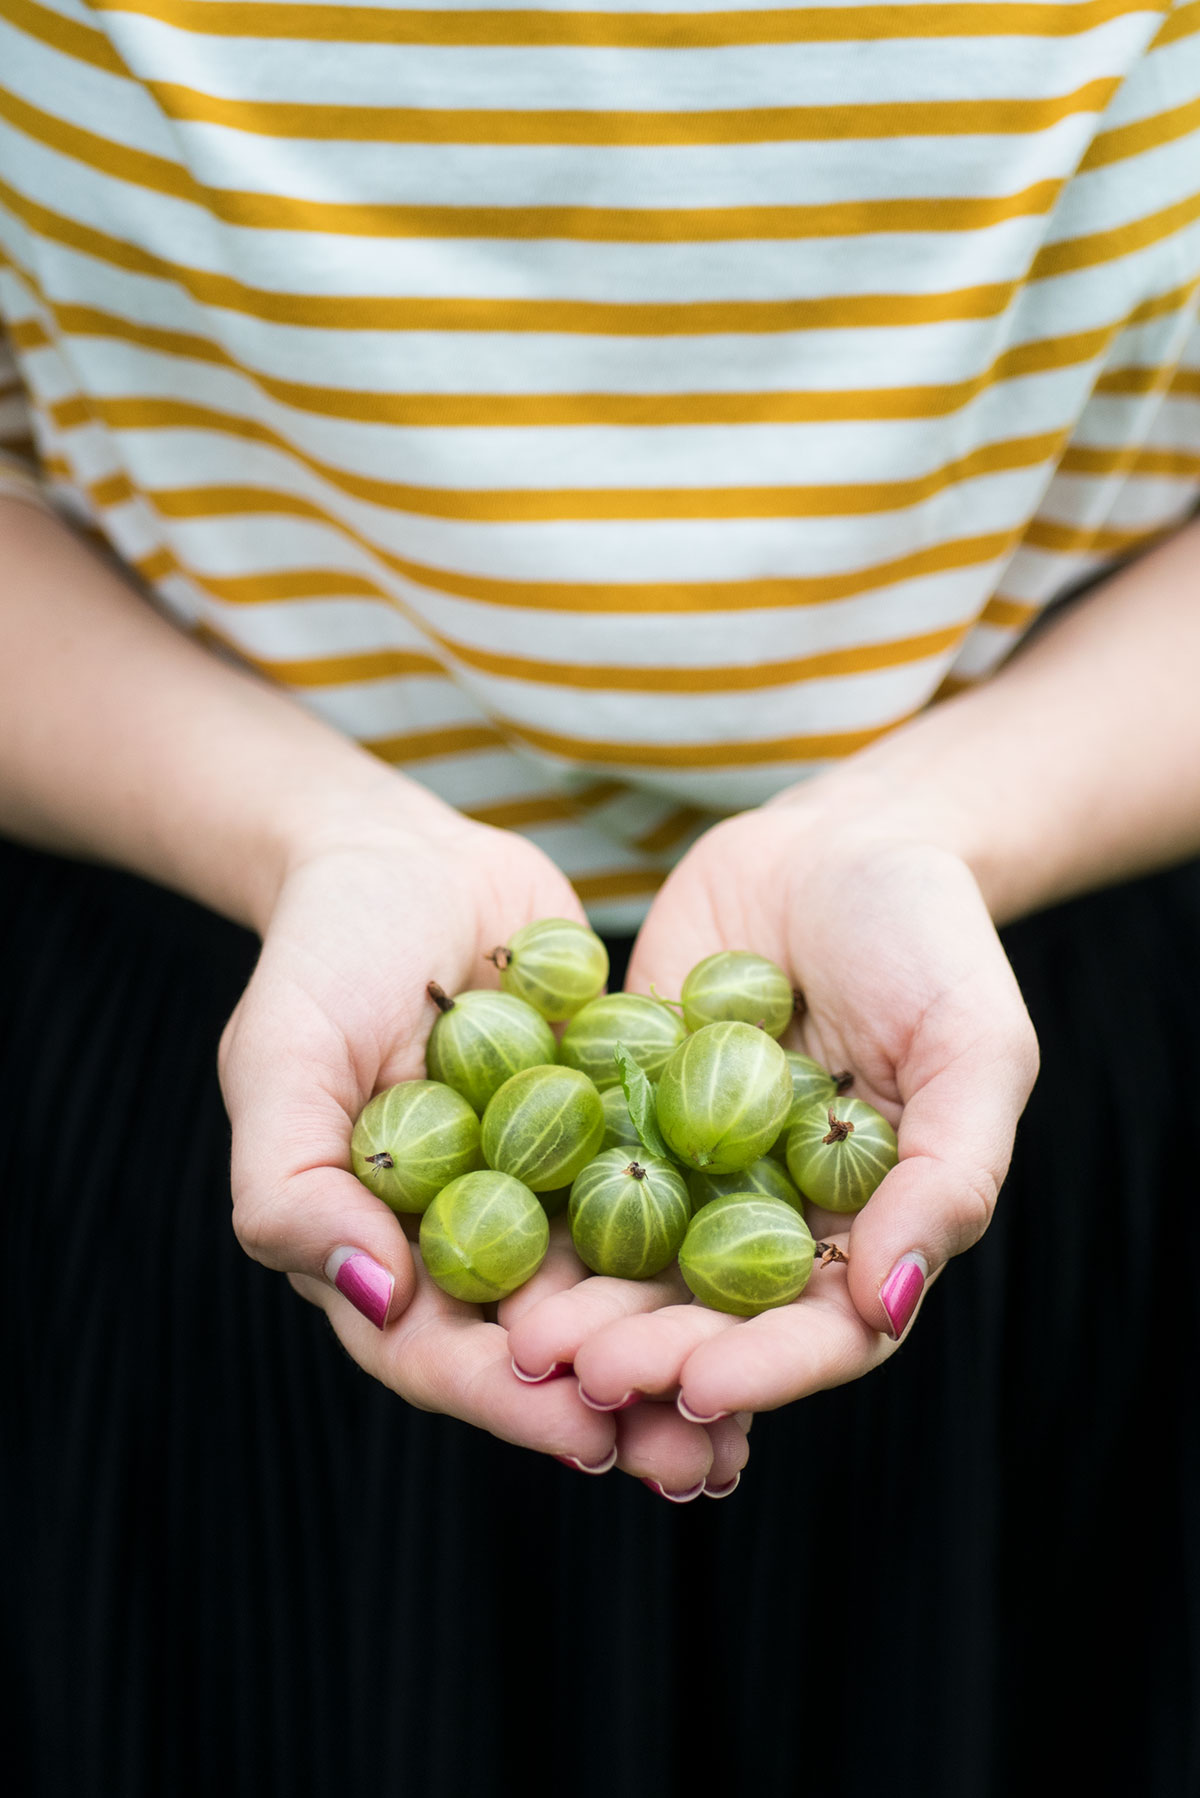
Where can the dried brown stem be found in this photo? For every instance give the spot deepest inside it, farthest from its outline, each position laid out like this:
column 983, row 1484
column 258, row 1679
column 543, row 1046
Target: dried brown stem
column 500, row 957
column 827, row 1252
column 839, row 1129
column 439, row 996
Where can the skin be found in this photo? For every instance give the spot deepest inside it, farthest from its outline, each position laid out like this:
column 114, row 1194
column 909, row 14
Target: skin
column 905, row 983
column 876, row 887
column 362, row 887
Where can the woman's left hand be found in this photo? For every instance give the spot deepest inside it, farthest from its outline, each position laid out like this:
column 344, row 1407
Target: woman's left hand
column 906, row 986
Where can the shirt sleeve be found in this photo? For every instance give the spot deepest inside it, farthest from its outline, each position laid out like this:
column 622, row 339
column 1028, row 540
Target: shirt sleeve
column 19, row 478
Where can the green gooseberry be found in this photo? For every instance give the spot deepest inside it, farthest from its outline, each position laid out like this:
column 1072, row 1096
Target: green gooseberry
column 744, row 1254
column 723, row 1097
column 648, row 1030
column 619, row 1127
column 837, row 1161
column 628, row 1216
column 809, row 1081
column 735, row 985
column 413, row 1139
column 543, row 1126
column 555, row 965
column 482, row 1038
column 763, row 1177
column 483, row 1236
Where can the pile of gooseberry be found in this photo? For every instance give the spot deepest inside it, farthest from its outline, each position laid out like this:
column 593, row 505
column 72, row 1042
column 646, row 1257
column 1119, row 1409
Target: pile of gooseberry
column 667, row 1130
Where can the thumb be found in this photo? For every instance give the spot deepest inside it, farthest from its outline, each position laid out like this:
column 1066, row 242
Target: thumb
column 296, row 1205
column 680, row 929
column 955, row 1143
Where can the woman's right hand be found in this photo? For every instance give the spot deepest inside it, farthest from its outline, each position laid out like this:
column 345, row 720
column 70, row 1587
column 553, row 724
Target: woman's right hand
column 337, row 1010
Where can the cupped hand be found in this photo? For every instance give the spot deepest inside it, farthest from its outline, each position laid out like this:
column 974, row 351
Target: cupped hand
column 337, row 1010
column 905, row 986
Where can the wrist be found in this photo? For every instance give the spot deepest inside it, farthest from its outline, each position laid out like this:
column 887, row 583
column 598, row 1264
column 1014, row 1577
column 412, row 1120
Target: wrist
column 356, row 803
column 875, row 800
column 963, row 777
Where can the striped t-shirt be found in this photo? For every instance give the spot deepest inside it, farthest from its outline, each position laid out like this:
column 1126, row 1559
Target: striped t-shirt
column 608, row 415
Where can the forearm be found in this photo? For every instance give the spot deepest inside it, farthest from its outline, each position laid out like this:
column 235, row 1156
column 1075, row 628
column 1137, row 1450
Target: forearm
column 1078, row 764
column 123, row 741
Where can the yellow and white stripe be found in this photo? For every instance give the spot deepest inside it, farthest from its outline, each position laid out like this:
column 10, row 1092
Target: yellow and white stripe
column 608, row 415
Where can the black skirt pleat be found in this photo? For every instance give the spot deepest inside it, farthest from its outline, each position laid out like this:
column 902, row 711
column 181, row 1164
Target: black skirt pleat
column 235, row 1566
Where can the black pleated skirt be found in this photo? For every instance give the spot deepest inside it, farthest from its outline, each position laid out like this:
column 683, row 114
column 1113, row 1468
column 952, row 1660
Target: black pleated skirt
column 232, row 1565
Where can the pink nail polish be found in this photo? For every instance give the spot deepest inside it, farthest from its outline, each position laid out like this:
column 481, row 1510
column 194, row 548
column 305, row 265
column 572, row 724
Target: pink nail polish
column 675, row 1498
column 723, row 1491
column 609, row 1462
column 694, row 1416
column 361, row 1280
column 621, row 1404
column 900, row 1291
column 555, row 1371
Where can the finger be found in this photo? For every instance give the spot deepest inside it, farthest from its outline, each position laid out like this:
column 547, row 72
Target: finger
column 656, row 1445
column 645, row 1353
column 441, row 1356
column 816, row 1342
column 730, row 1453
column 552, row 1332
column 320, row 1220
column 561, row 1271
column 296, row 1205
column 955, row 1141
column 680, row 929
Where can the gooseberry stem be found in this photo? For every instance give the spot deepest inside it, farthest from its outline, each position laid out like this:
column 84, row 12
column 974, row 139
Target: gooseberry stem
column 799, row 1002
column 839, row 1130
column 672, row 1004
column 637, row 1170
column 439, row 996
column 827, row 1252
column 500, row 957
column 381, row 1161
column 842, row 1082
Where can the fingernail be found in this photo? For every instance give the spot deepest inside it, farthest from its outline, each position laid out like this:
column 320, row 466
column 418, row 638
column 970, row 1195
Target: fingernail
column 723, row 1491
column 555, row 1371
column 694, row 1416
column 620, row 1404
column 900, row 1291
column 609, row 1461
column 675, row 1498
column 361, row 1280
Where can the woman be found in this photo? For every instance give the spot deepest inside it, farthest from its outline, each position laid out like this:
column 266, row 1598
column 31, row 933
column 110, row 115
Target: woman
column 556, row 452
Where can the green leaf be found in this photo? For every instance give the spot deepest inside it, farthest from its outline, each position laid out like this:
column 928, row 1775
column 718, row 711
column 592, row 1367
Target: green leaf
column 639, row 1096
